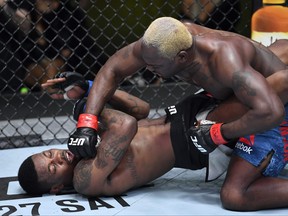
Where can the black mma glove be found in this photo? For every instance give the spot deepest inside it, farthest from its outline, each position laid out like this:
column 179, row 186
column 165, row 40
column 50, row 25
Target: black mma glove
column 78, row 108
column 72, row 79
column 206, row 136
column 84, row 140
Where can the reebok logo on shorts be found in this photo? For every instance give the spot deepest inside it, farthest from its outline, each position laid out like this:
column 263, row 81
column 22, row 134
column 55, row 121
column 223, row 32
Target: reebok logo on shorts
column 243, row 147
column 247, row 141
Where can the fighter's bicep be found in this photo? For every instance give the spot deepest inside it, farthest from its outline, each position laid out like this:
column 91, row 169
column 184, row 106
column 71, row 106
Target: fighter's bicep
column 250, row 87
column 91, row 177
column 82, row 176
column 129, row 59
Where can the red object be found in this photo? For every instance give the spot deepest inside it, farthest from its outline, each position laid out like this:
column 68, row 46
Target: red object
column 87, row 120
column 216, row 135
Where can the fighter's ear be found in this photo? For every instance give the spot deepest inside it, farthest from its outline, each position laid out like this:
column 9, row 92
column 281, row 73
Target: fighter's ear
column 182, row 56
column 56, row 188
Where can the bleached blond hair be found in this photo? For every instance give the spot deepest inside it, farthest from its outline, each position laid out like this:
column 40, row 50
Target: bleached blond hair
column 168, row 35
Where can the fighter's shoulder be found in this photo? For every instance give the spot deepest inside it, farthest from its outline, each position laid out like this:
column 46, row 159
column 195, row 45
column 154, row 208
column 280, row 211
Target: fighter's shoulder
column 136, row 46
column 195, row 29
column 237, row 41
column 131, row 52
column 240, row 47
column 136, row 50
column 232, row 44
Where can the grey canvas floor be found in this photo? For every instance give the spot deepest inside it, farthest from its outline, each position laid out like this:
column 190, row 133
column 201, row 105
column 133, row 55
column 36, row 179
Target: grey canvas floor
column 179, row 192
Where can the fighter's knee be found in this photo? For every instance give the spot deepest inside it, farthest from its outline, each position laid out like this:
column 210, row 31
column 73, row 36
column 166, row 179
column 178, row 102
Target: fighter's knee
column 231, row 199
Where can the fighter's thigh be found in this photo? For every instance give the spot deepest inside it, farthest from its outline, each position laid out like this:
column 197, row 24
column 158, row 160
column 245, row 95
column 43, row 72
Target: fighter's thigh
column 241, row 173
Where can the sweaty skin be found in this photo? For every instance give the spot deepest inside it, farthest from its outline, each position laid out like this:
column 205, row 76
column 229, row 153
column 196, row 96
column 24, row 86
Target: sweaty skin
column 222, row 63
column 150, row 155
column 131, row 155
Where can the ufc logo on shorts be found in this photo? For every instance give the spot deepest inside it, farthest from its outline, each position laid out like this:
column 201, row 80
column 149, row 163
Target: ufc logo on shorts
column 76, row 141
column 195, row 142
column 172, row 110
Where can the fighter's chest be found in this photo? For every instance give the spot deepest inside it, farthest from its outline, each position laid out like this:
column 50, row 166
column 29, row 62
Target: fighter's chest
column 206, row 80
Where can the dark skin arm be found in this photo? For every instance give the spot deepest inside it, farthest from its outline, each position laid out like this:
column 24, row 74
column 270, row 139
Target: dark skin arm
column 241, row 58
column 238, row 77
column 237, row 66
column 231, row 109
column 92, row 176
column 251, row 88
column 241, row 79
column 129, row 104
column 120, row 100
column 123, row 63
column 245, row 182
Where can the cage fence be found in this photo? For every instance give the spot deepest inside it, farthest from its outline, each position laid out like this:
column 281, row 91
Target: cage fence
column 40, row 38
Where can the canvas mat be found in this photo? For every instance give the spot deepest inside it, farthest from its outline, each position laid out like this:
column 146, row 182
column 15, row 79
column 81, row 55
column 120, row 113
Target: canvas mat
column 179, row 192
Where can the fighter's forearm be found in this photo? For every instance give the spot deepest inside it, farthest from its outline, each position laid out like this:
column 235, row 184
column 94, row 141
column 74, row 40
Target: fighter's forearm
column 233, row 109
column 120, row 130
column 252, row 122
column 129, row 104
column 123, row 63
column 103, row 88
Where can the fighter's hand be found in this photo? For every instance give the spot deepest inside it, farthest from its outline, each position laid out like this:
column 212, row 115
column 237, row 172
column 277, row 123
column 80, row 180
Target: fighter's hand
column 206, row 135
column 84, row 140
column 66, row 85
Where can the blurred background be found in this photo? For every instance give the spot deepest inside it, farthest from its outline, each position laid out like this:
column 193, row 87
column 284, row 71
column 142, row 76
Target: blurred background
column 39, row 38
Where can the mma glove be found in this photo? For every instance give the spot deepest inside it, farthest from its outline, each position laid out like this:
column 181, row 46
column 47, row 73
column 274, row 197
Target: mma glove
column 79, row 108
column 206, row 135
column 73, row 79
column 84, row 140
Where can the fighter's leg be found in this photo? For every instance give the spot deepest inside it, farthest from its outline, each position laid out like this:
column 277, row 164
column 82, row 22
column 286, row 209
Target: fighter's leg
column 246, row 189
column 280, row 48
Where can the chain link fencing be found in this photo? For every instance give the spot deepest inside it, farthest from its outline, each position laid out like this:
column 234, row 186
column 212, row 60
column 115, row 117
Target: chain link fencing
column 39, row 38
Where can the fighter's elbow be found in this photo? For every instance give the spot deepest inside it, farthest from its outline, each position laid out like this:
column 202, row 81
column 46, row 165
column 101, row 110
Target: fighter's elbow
column 144, row 112
column 79, row 188
column 274, row 115
column 130, row 126
column 279, row 115
column 88, row 190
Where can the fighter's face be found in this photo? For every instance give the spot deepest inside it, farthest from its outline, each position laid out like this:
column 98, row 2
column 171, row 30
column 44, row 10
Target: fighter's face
column 55, row 166
column 161, row 66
